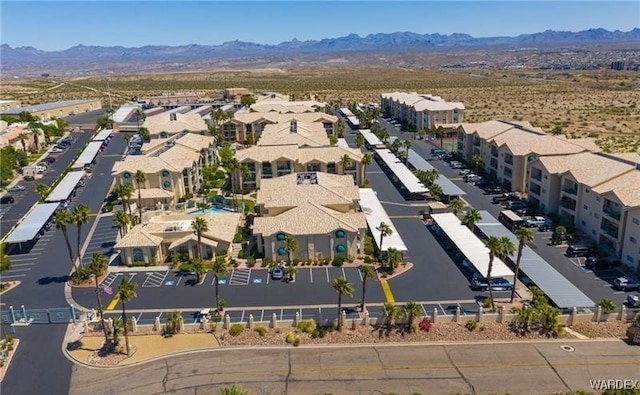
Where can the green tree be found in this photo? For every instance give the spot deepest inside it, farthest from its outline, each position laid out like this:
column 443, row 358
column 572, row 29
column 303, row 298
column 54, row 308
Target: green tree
column 385, row 230
column 42, row 190
column 291, row 272
column 456, row 205
column 366, row 161
column 436, row 191
column 140, row 178
column 366, row 271
column 476, row 161
column 524, row 236
column 384, row 135
column 247, row 100
column 423, row 132
column 441, row 133
column 393, row 258
column 340, row 127
column 5, row 262
column 144, row 134
column 61, row 219
column 200, row 226
column 390, row 313
column 291, row 246
column 198, row 268
column 23, row 137
column 126, row 292
column 342, row 287
column 526, row 315
column 80, row 216
column 412, row 310
column 219, row 269
column 345, row 161
column 97, row 267
column 498, row 247
column 557, row 130
column 407, row 146
column 471, row 218
column 123, row 220
column 607, row 305
column 359, row 140
column 125, row 192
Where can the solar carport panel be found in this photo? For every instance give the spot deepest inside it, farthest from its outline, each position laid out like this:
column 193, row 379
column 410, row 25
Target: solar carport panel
column 560, row 290
column 32, row 223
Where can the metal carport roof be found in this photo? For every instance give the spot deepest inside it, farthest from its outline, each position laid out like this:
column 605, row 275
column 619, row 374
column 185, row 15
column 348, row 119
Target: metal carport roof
column 64, row 188
column 410, row 182
column 31, row 224
column 88, row 155
column 374, row 214
column 560, row 290
column 448, row 187
column 102, row 135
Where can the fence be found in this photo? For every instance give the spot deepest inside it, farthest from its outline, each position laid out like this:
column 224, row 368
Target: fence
column 23, row 316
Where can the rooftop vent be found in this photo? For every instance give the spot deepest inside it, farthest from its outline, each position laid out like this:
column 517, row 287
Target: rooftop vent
column 173, row 117
column 307, row 178
column 293, row 128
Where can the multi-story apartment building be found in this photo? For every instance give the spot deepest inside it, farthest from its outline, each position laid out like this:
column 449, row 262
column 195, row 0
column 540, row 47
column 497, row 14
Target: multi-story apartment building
column 421, row 111
column 172, row 167
column 170, row 123
column 319, row 210
column 599, row 193
column 48, row 111
column 505, row 148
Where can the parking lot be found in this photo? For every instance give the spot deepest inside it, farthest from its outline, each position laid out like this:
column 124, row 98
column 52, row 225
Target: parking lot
column 26, row 255
column 103, row 237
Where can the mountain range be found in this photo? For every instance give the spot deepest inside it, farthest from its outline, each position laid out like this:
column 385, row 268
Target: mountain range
column 83, row 58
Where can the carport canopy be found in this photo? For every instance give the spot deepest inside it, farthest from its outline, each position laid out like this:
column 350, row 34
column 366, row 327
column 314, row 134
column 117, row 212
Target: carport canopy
column 31, row 224
column 371, row 139
column 471, row 246
column 65, row 187
column 448, row 187
column 88, row 155
column 375, row 214
column 402, row 172
column 102, row 135
column 560, row 290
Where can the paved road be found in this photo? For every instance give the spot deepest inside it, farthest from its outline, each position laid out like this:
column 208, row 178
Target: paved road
column 516, row 368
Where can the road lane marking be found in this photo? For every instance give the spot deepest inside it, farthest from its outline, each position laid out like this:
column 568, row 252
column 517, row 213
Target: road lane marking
column 113, row 303
column 387, row 291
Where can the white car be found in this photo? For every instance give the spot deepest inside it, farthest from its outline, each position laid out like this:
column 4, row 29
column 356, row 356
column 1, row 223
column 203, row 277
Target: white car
column 16, row 188
column 41, row 169
column 55, row 150
column 534, row 222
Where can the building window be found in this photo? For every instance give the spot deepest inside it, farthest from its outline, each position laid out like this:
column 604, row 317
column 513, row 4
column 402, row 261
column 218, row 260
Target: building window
column 340, row 248
column 586, row 190
column 163, row 135
column 593, row 232
column 281, row 236
column 583, row 223
column 585, row 207
column 126, row 175
column 137, row 254
column 598, row 199
column 630, row 258
column 633, row 240
column 546, row 176
column 596, row 215
column 340, row 234
column 636, row 221
column 282, row 251
column 165, row 173
column 166, row 184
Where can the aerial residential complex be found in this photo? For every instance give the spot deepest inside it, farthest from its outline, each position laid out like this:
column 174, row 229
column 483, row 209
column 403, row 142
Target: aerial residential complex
column 421, row 111
column 318, row 209
column 51, row 110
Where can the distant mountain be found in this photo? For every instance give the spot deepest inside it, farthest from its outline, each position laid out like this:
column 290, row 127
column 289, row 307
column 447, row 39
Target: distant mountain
column 83, row 58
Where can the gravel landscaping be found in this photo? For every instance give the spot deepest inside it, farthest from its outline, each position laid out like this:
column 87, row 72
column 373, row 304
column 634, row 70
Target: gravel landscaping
column 598, row 330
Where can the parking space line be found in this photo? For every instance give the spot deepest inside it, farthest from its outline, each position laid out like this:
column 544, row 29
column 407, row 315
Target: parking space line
column 262, row 316
column 343, row 273
column 443, row 310
column 424, row 310
column 281, row 314
column 178, row 282
column 461, row 309
column 327, row 270
column 311, row 275
column 360, row 274
column 139, row 316
column 242, row 316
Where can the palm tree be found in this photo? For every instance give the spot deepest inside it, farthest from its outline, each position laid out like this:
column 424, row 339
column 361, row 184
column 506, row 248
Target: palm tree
column 345, row 161
column 359, row 140
column 384, row 135
column 291, row 271
column 144, row 134
column 456, row 206
column 198, row 269
column 476, row 160
column 340, row 127
column 407, row 147
column 412, row 310
column 436, row 191
column 123, row 220
column 471, row 218
column 441, row 133
column 61, row 219
column 385, row 230
column 395, row 146
column 367, row 271
column 200, row 226
column 126, row 292
column 342, row 287
column 219, row 269
column 366, row 161
column 98, row 263
column 391, row 313
column 500, row 247
column 291, row 246
column 125, row 191
column 80, row 216
column 393, row 257
column 237, row 171
column 524, row 235
column 140, row 180
column 42, row 190
column 23, row 137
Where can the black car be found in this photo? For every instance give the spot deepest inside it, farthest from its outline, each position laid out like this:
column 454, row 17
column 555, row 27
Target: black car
column 595, row 263
column 493, row 191
column 546, row 227
column 7, row 199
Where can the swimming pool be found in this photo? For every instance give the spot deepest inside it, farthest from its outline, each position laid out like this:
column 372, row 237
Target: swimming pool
column 212, row 209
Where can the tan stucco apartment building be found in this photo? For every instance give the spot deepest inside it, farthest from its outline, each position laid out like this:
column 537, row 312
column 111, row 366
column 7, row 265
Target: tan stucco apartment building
column 422, row 111
column 317, row 209
column 169, row 123
column 57, row 109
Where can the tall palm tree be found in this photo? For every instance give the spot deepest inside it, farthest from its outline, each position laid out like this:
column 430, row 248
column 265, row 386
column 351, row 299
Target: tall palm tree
column 342, row 287
column 219, row 269
column 126, row 292
column 436, row 191
column 456, row 206
column 98, row 263
column 200, row 226
column 366, row 271
column 384, row 135
column 123, row 220
column 500, row 247
column 42, row 190
column 471, row 218
column 345, row 161
column 441, row 133
column 407, row 146
column 198, row 268
column 61, row 219
column 144, row 134
column 366, row 161
column 140, row 178
column 340, row 127
column 80, row 216
column 291, row 246
column 385, row 230
column 125, row 192
column 476, row 160
column 524, row 235
column 23, row 137
column 412, row 310
column 359, row 140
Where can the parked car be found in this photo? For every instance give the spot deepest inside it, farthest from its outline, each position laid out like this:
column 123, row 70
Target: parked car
column 50, row 159
column 516, row 205
column 7, row 199
column 277, row 273
column 534, row 222
column 595, row 263
column 626, row 284
column 464, row 172
column 493, row 191
column 16, row 188
column 633, row 301
column 547, row 227
column 28, row 178
column 41, row 169
column 499, row 198
column 578, row 250
column 497, row 284
column 482, row 184
column 526, row 212
column 470, row 177
column 56, row 149
column 455, row 164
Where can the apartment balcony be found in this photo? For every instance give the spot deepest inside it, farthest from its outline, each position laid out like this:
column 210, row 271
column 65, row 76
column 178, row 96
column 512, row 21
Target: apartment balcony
column 610, row 231
column 611, row 213
column 568, row 204
column 570, row 191
column 494, row 153
column 476, row 143
column 508, row 161
column 494, row 163
column 537, row 177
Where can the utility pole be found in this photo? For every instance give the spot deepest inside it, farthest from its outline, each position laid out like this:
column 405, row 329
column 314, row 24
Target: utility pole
column 110, row 115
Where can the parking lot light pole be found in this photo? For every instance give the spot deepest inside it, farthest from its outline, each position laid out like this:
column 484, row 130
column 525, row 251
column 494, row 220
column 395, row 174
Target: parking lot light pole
column 100, row 312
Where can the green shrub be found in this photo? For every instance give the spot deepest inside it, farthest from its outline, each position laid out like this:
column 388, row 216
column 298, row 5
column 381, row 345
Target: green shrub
column 236, row 329
column 607, row 306
column 368, row 259
column 139, row 264
column 262, row 330
column 296, row 341
column 339, row 260
column 307, row 326
column 251, row 261
column 471, row 325
column 289, row 338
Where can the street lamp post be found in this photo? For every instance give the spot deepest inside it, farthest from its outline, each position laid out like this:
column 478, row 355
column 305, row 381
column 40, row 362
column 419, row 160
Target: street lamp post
column 100, row 312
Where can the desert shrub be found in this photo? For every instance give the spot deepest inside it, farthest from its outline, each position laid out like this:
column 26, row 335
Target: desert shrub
column 296, row 341
column 289, row 338
column 607, row 305
column 251, row 261
column 486, row 302
column 368, row 259
column 471, row 325
column 262, row 330
column 307, row 326
column 425, row 324
column 236, row 329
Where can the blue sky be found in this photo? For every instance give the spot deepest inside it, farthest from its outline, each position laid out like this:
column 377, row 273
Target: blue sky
column 56, row 25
